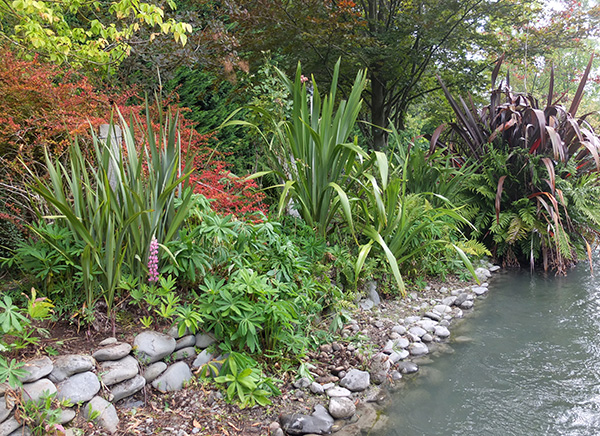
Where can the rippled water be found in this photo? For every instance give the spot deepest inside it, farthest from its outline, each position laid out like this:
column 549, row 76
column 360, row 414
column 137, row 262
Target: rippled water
column 531, row 367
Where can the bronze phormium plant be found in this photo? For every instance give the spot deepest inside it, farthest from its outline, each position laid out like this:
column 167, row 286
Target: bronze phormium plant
column 537, row 186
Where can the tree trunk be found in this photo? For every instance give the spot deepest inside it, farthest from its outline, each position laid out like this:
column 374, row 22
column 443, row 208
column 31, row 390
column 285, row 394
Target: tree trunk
column 378, row 113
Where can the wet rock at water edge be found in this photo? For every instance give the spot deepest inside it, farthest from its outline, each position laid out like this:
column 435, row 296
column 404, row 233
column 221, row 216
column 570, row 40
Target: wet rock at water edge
column 112, row 352
column 151, row 346
column 479, row 290
column 107, row 417
column 380, row 365
column 320, row 422
column 78, row 388
column 173, row 378
column 467, row 305
column 36, row 369
column 356, row 380
column 442, row 332
column 482, row 274
column 341, row 407
column 461, row 298
column 71, row 364
column 38, row 389
column 418, row 349
column 112, row 372
column 407, row 367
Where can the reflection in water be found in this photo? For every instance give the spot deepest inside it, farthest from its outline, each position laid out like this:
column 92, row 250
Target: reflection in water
column 531, row 368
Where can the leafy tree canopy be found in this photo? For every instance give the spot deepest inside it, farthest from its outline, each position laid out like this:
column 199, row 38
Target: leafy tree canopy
column 85, row 31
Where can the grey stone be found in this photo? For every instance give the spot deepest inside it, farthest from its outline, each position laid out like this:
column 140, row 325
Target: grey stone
column 372, row 293
column 66, row 416
column 4, row 410
column 36, row 369
column 482, row 274
column 380, row 365
column 152, row 346
column 70, row 364
column 442, row 332
column 302, row 383
column 184, row 353
column 127, row 388
column 8, row 426
column 427, row 337
column 449, row 301
column 432, row 315
column 108, row 341
column 402, row 343
column 320, row 422
column 417, row 331
column 316, row 388
column 408, row 367
column 341, row 407
column 395, row 375
column 78, row 388
column 461, row 298
column 479, row 290
column 112, row 352
column 412, row 319
column 112, row 372
column 173, row 378
column 400, row 329
column 418, row 349
column 25, row 431
column 442, row 309
column 204, row 341
column 366, row 304
column 427, row 324
column 388, row 347
column 174, row 332
column 356, row 380
column 107, row 417
column 154, row 370
column 185, row 342
column 337, row 391
column 467, row 305
column 493, row 268
column 38, row 389
column 203, row 358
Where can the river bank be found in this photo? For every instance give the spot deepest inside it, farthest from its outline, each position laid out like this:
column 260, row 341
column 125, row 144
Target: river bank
column 385, row 342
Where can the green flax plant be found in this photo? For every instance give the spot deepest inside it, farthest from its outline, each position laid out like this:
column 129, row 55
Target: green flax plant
column 311, row 153
column 114, row 205
column 538, row 170
column 408, row 227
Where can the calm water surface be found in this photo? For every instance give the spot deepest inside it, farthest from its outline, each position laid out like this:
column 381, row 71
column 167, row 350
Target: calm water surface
column 532, row 366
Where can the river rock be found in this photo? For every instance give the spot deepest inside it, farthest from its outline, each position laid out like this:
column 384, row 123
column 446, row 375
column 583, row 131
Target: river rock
column 108, row 341
column 372, row 293
column 417, row 331
column 398, row 355
column 380, row 365
column 320, row 422
column 493, row 268
column 4, row 410
column 316, row 388
column 78, row 388
column 427, row 324
column 112, row 352
column 66, row 416
column 402, row 343
column 185, row 342
column 461, row 298
column 356, row 380
column 112, row 372
column 173, row 378
column 184, row 353
column 36, row 369
column 449, row 301
column 302, row 383
column 467, row 305
column 482, row 274
column 479, row 290
column 152, row 346
column 433, row 315
column 203, row 358
column 418, row 349
column 442, row 332
column 341, row 407
column 107, row 417
column 154, row 370
column 442, row 309
column 9, row 425
column 366, row 304
column 400, row 329
column 204, row 341
column 174, row 332
column 337, row 391
column 407, row 367
column 127, row 388
column 38, row 389
column 70, row 364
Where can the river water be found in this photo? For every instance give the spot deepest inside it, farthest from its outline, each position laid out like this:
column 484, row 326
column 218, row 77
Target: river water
column 530, row 366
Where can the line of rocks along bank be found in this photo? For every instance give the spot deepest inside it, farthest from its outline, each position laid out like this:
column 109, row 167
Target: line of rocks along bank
column 351, row 391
